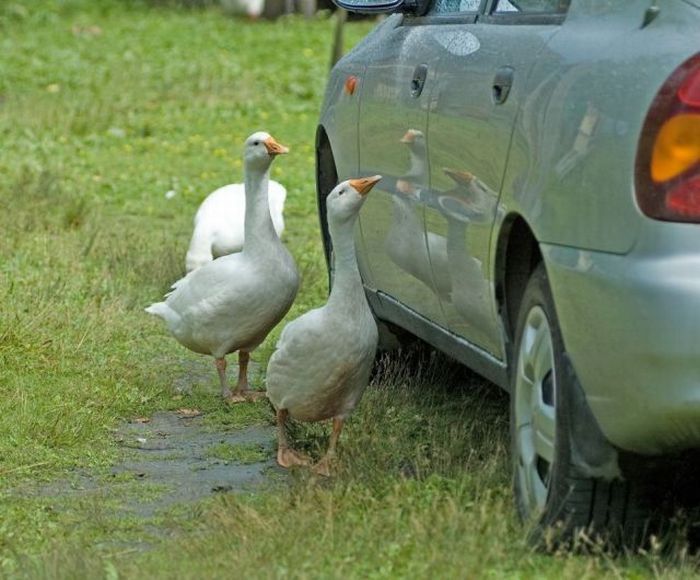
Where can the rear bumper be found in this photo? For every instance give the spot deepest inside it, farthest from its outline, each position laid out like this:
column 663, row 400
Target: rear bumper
column 631, row 326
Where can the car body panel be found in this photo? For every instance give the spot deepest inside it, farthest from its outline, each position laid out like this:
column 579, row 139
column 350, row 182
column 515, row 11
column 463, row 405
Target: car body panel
column 392, row 111
column 632, row 330
column 625, row 287
column 469, row 139
column 570, row 170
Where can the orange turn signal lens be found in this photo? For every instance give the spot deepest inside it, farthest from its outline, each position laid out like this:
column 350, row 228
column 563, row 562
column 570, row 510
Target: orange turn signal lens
column 350, row 84
column 677, row 147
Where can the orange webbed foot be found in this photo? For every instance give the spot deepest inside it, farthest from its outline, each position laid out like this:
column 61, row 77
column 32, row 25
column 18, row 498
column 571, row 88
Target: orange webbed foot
column 324, row 467
column 246, row 396
column 288, row 457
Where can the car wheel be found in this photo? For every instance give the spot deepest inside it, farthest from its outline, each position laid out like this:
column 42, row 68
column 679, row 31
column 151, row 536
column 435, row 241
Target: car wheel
column 553, row 495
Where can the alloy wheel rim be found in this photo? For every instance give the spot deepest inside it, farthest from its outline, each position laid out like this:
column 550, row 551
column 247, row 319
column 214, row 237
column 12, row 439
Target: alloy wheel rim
column 535, row 415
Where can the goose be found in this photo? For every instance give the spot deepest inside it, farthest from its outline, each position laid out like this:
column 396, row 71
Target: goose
column 253, row 9
column 219, row 224
column 322, row 361
column 232, row 303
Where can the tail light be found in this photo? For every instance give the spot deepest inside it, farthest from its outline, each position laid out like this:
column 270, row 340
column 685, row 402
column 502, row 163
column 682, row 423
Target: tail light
column 668, row 158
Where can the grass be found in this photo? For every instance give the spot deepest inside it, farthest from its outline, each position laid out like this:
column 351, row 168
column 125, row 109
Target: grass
column 249, row 453
column 104, row 107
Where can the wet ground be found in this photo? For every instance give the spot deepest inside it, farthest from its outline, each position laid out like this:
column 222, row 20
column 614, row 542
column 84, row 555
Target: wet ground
column 177, row 451
column 167, row 463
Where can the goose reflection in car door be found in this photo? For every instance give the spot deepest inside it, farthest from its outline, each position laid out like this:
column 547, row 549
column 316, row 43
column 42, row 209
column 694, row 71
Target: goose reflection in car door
column 405, row 242
column 396, row 96
column 467, row 203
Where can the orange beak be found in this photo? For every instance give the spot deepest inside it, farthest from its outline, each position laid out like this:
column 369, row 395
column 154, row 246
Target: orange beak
column 409, row 136
column 363, row 185
column 274, row 148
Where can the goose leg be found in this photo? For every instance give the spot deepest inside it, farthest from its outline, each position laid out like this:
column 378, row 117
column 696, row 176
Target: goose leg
column 221, row 369
column 323, row 467
column 286, row 456
column 242, row 391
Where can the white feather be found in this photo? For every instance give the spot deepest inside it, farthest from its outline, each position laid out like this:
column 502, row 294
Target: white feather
column 219, row 222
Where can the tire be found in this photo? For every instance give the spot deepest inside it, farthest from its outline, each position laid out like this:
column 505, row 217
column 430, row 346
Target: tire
column 557, row 498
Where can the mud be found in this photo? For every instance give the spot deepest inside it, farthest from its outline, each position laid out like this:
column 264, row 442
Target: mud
column 174, row 452
column 167, row 462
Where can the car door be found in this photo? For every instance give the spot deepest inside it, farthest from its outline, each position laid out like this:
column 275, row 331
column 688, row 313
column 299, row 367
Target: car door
column 475, row 100
column 396, row 92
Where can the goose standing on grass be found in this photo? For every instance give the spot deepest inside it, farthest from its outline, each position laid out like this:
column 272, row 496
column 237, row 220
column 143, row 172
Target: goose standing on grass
column 323, row 359
column 232, row 303
column 219, row 223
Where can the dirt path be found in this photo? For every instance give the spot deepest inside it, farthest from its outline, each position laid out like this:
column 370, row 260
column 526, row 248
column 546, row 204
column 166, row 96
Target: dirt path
column 168, row 462
column 180, row 453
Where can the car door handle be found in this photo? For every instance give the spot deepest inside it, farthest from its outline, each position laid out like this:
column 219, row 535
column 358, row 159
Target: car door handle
column 502, row 83
column 418, row 80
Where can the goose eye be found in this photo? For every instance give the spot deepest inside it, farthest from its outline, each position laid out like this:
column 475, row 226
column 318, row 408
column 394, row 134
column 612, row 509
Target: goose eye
column 256, row 143
column 341, row 192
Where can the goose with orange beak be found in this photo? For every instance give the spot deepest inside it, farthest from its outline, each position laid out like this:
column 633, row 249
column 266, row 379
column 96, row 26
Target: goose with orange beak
column 232, row 303
column 323, row 359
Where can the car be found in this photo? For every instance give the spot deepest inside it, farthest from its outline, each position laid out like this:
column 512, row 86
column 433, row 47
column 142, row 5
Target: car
column 539, row 221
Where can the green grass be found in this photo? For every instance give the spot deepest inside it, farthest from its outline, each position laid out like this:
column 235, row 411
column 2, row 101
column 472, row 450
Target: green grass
column 249, row 453
column 105, row 106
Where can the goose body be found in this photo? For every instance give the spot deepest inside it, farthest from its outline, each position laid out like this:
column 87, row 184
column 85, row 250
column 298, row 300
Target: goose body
column 323, row 359
column 219, row 227
column 232, row 303
column 251, row 8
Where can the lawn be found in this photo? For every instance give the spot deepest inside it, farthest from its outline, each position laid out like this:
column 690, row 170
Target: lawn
column 104, row 107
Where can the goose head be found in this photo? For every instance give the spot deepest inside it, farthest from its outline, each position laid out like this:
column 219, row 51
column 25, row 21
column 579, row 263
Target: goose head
column 346, row 198
column 414, row 139
column 260, row 150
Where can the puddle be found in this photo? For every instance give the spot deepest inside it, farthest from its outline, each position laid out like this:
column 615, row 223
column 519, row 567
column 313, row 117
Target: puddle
column 180, row 454
column 168, row 461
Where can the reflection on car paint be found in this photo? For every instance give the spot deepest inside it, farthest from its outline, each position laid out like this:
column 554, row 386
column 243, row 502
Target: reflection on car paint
column 443, row 264
column 405, row 243
column 581, row 144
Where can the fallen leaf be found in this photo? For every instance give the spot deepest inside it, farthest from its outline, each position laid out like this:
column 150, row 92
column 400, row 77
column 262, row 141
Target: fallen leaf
column 142, row 420
column 188, row 413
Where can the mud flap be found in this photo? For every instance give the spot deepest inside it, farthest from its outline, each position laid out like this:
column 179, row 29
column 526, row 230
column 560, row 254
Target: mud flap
column 592, row 455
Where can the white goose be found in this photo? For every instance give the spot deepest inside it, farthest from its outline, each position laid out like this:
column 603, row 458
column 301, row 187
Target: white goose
column 219, row 222
column 323, row 359
column 232, row 303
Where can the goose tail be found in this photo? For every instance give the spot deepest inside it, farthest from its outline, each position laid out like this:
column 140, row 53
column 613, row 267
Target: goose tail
column 159, row 309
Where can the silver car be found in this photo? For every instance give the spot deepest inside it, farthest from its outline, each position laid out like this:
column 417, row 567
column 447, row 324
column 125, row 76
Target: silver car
column 539, row 221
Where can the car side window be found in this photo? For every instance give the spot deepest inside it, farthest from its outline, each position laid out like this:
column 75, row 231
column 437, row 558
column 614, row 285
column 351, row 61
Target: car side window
column 531, row 6
column 452, row 6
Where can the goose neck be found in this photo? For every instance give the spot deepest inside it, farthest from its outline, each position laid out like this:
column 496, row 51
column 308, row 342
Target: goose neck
column 347, row 283
column 258, row 226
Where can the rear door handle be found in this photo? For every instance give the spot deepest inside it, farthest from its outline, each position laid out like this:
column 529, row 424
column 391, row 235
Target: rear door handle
column 418, row 81
column 502, row 83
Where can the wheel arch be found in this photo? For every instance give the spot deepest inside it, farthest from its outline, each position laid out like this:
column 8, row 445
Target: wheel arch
column 517, row 255
column 326, row 180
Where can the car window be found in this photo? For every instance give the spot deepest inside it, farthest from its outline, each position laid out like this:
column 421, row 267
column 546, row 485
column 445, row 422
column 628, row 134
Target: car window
column 531, row 6
column 452, row 6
